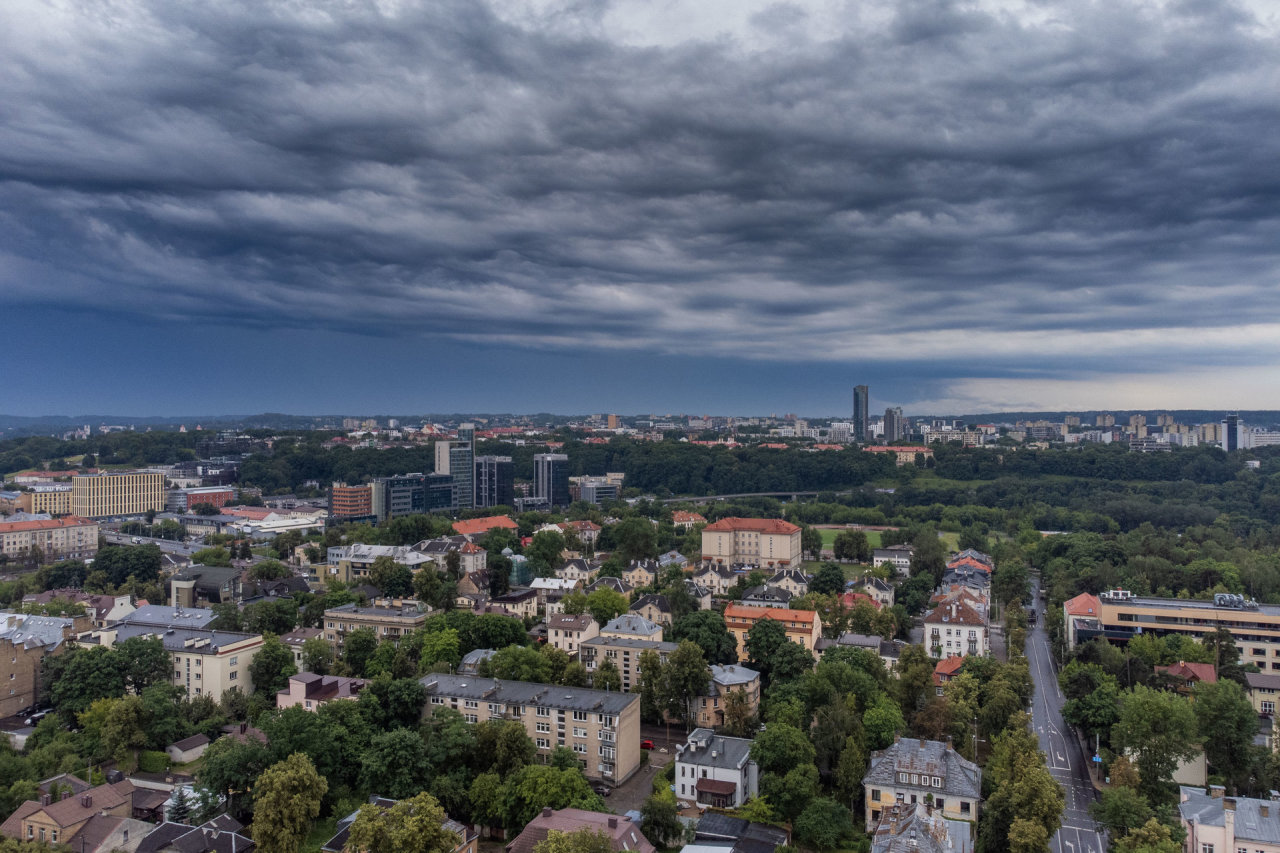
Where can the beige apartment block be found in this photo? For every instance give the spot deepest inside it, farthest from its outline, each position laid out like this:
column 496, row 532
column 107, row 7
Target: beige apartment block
column 389, row 619
column 765, row 542
column 106, row 495
column 568, row 633
column 55, row 539
column 204, row 661
column 55, row 499
column 601, row 727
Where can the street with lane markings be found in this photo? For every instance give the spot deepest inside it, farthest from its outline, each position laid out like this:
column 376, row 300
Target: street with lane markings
column 1067, row 762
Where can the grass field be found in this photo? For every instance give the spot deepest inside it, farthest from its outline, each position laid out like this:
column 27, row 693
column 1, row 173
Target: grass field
column 829, row 537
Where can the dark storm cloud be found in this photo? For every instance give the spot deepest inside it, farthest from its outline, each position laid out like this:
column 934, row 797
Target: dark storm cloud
column 912, row 178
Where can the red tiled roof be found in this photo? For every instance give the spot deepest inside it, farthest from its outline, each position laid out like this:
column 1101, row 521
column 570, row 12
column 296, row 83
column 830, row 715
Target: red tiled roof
column 949, row 666
column 46, row 524
column 755, row 525
column 680, row 516
column 963, row 614
column 1083, row 604
column 778, row 614
column 624, row 835
column 851, row 598
column 472, row 526
column 1191, row 671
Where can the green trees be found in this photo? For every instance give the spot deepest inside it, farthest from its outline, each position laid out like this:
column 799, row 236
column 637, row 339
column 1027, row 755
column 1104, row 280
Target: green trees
column 1093, row 697
column 661, row 821
column 824, row 825
column 1227, row 725
column 636, row 539
column 828, row 581
column 272, row 666
column 584, row 840
column 414, row 825
column 317, row 656
column 607, row 676
column 286, row 801
column 1025, row 806
column 851, row 545
column 392, row 578
column 395, row 764
column 763, row 640
column 1158, row 730
column 605, row 604
column 357, row 648
column 708, row 630
column 685, row 677
column 811, row 542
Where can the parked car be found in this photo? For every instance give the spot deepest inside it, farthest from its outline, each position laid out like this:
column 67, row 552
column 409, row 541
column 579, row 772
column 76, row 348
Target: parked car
column 601, row 788
column 646, row 744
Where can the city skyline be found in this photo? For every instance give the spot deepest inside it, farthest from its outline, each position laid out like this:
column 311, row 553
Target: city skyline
column 546, row 206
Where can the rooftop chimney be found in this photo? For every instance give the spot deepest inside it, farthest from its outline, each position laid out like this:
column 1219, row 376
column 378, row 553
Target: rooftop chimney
column 546, row 811
column 1217, row 791
column 86, row 800
column 1229, row 804
column 613, row 823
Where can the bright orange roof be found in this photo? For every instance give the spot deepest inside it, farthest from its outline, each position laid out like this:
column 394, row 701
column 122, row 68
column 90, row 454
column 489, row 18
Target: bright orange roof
column 950, row 665
column 755, row 525
column 45, row 524
column 778, row 614
column 1083, row 604
column 483, row 525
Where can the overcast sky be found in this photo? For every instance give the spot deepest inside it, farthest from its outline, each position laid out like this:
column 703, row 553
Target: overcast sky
column 733, row 207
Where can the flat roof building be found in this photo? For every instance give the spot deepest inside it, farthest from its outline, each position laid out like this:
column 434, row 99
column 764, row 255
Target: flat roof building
column 602, row 728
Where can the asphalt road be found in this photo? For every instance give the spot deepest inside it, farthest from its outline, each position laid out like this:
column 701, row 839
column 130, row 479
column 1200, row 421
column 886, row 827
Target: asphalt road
column 1067, row 763
column 167, row 545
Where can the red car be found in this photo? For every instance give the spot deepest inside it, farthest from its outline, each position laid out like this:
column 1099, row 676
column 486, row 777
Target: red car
column 646, row 744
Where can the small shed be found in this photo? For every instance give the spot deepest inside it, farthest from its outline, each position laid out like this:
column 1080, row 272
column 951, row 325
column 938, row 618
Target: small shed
column 188, row 749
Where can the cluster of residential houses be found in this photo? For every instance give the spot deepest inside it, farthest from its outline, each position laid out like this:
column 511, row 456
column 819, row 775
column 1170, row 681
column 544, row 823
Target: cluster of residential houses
column 921, row 788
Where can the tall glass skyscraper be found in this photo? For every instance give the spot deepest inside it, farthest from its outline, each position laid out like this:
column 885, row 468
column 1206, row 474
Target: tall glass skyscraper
column 551, row 478
column 462, row 466
column 861, row 412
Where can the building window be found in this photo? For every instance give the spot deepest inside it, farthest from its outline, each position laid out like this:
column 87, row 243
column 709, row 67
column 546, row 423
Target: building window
column 580, row 716
column 543, row 743
column 964, row 809
column 234, row 675
column 1268, row 708
column 875, row 795
column 544, row 727
column 544, row 712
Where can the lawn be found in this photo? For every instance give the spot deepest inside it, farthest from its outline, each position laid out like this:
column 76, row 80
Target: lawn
column 829, row 537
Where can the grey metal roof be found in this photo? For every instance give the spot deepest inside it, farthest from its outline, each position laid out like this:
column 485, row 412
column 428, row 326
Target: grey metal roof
column 31, row 631
column 631, row 643
column 1255, row 820
column 960, row 777
column 528, row 693
column 175, row 639
column 705, row 748
column 732, row 674
column 162, row 616
column 630, row 623
column 1262, row 680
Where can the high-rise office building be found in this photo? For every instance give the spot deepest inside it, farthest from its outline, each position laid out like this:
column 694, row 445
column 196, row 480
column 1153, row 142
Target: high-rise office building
column 462, row 467
column 495, row 481
column 551, row 478
column 442, row 449
column 861, row 412
column 1231, row 432
column 105, row 495
column 895, row 425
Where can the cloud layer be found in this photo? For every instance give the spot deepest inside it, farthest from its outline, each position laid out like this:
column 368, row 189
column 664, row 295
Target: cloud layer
column 1044, row 186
